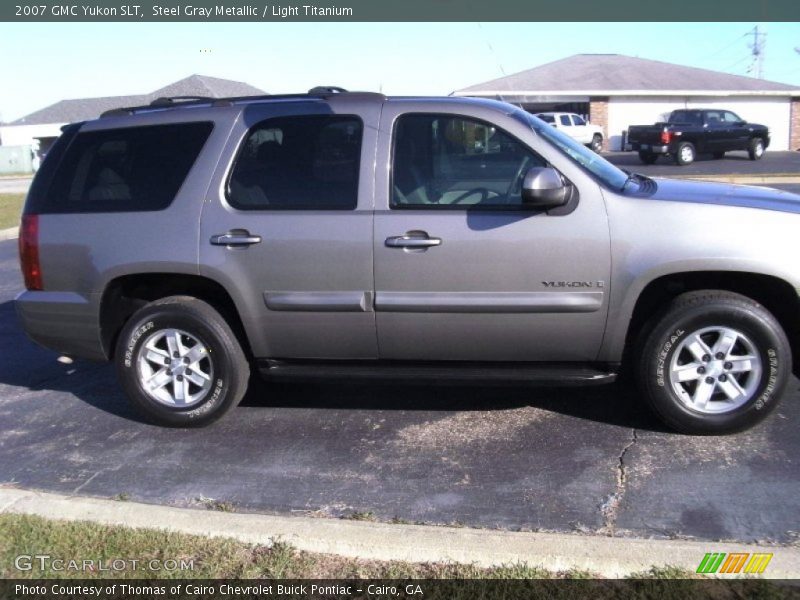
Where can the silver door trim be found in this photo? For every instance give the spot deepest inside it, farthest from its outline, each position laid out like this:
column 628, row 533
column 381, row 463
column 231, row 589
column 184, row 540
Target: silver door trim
column 479, row 302
column 319, row 301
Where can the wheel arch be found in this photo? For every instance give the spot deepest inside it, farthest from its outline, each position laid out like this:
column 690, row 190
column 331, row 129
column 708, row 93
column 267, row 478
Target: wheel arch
column 776, row 295
column 126, row 294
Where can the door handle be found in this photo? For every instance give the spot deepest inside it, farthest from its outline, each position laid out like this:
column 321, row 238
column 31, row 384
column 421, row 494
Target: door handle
column 235, row 238
column 412, row 241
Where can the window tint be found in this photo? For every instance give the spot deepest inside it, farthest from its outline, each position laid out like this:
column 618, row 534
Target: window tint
column 714, row 118
column 564, row 120
column 691, row 117
column 547, row 118
column 130, row 169
column 450, row 162
column 299, row 163
column 577, row 120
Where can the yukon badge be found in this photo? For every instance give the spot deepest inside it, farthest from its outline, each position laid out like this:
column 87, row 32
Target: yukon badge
column 573, row 284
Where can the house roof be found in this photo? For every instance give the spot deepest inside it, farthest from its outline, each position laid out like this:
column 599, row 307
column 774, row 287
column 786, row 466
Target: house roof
column 82, row 109
column 616, row 74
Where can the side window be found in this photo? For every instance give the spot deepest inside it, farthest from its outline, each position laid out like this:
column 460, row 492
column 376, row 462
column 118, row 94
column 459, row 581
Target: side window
column 730, row 117
column 714, row 118
column 576, row 120
column 128, row 169
column 452, row 162
column 564, row 120
column 308, row 162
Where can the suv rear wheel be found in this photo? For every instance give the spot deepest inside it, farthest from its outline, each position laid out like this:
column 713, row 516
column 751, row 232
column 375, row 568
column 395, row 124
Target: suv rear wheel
column 180, row 364
column 716, row 362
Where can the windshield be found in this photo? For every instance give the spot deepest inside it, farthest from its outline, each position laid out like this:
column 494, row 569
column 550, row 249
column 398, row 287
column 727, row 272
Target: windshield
column 589, row 160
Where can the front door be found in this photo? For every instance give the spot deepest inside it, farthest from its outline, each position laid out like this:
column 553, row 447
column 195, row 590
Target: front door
column 463, row 271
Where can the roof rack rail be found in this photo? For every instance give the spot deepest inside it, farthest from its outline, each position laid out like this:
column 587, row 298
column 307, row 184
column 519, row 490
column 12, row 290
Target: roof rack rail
column 322, row 90
column 170, row 100
column 180, row 101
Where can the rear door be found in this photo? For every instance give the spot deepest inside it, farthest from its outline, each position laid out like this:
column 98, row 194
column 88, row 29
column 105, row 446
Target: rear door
column 287, row 227
column 462, row 270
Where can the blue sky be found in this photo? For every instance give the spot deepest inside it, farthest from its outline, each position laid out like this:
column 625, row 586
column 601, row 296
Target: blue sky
column 47, row 62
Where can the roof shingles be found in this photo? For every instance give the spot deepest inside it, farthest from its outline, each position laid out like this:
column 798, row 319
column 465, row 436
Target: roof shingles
column 615, row 72
column 83, row 109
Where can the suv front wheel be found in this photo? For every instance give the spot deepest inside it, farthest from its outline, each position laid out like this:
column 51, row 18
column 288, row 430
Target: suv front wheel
column 180, row 364
column 716, row 362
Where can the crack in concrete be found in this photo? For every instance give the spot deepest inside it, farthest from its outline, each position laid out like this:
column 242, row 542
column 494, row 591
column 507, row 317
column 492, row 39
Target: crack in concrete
column 87, row 482
column 611, row 505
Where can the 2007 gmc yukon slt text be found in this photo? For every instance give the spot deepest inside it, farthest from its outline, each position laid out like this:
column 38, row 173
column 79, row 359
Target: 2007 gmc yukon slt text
column 350, row 234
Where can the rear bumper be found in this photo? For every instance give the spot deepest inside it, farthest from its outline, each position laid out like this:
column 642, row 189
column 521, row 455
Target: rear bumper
column 66, row 322
column 655, row 149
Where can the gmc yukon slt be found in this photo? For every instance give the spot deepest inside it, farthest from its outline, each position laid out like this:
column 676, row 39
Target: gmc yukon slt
column 335, row 234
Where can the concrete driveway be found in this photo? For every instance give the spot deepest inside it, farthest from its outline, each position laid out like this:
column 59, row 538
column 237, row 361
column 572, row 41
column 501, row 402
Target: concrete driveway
column 14, row 185
column 516, row 458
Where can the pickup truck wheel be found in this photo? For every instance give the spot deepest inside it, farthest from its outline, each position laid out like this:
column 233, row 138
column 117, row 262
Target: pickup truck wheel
column 180, row 364
column 597, row 143
column 716, row 362
column 756, row 149
column 647, row 158
column 684, row 154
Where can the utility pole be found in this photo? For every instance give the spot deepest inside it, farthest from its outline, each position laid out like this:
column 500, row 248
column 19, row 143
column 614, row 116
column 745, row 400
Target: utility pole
column 757, row 47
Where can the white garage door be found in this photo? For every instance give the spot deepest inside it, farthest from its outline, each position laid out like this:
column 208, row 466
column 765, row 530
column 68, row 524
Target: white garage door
column 772, row 112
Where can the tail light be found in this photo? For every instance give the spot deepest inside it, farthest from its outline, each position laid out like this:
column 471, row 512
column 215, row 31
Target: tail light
column 29, row 252
column 666, row 136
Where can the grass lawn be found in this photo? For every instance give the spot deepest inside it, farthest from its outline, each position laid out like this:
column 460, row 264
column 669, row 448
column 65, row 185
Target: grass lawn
column 10, row 209
column 224, row 558
column 212, row 557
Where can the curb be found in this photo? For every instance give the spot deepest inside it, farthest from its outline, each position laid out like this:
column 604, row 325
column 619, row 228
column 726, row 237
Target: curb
column 11, row 233
column 607, row 556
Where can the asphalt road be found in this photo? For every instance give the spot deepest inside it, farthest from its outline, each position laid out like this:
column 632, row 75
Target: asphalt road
column 585, row 460
column 734, row 163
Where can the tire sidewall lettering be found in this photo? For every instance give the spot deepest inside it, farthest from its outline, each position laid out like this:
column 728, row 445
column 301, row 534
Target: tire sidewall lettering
column 664, row 353
column 133, row 340
column 772, row 380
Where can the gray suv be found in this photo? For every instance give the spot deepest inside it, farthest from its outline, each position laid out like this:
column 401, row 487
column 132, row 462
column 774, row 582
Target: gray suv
column 336, row 234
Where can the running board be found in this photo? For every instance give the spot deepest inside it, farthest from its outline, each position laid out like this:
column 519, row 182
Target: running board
column 544, row 374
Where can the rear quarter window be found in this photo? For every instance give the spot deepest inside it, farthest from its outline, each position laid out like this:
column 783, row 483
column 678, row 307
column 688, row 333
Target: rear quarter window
column 124, row 170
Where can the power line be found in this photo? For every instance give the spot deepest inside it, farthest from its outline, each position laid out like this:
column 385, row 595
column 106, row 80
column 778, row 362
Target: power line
column 734, row 42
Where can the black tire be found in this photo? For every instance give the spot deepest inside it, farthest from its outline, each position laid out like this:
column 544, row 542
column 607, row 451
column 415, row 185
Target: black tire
column 223, row 362
column 647, row 158
column 695, row 312
column 755, row 150
column 719, row 155
column 685, row 154
column 597, row 143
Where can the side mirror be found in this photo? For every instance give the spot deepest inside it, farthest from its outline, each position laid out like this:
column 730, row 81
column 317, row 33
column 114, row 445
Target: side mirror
column 543, row 188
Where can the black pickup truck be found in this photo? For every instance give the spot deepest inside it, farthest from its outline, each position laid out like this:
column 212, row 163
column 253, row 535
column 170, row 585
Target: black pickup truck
column 689, row 132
